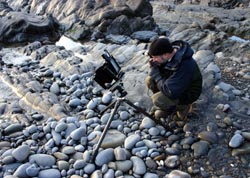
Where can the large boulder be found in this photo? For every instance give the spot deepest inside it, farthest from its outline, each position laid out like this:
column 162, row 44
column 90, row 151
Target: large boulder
column 19, row 27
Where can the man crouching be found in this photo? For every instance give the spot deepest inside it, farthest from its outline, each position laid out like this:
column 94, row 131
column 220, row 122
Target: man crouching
column 174, row 78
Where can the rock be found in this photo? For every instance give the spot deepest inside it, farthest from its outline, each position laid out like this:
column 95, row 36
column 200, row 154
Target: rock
column 178, row 174
column 200, row 148
column 120, row 154
column 55, row 88
column 144, row 35
column 32, row 171
column 61, row 127
column 208, row 136
column 43, row 160
column 124, row 165
column 89, row 168
column 154, row 131
column 109, row 173
column 13, row 128
column 5, row 144
column 236, row 141
column 21, row 153
column 79, row 164
column 74, row 102
column 124, row 115
column 92, row 103
column 8, row 160
column 131, row 141
column 104, row 156
column 78, row 133
column 28, row 24
column 49, row 173
column 150, row 175
column 21, row 170
column 68, row 150
column 63, row 165
column 172, row 161
column 244, row 149
column 139, row 166
column 118, row 39
column 112, row 139
column 10, row 176
column 107, row 97
column 147, row 123
column 246, row 135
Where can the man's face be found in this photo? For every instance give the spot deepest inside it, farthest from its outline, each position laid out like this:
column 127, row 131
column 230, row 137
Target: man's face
column 160, row 59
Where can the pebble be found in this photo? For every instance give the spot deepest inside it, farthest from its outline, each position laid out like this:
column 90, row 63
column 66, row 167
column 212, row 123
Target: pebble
column 63, row 165
column 43, row 159
column 21, row 170
column 78, row 133
column 107, row 97
column 74, row 102
column 200, row 148
column 104, row 157
column 246, row 135
column 32, row 171
column 79, row 164
column 131, row 141
column 124, row 115
column 61, row 127
column 172, row 161
column 124, row 165
column 154, row 131
column 178, row 174
column 150, row 175
column 13, row 128
column 236, row 141
column 49, row 173
column 92, row 103
column 89, row 168
column 147, row 123
column 208, row 136
column 139, row 166
column 21, row 153
column 120, row 154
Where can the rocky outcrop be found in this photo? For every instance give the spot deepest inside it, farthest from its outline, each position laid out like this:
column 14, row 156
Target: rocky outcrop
column 84, row 20
column 232, row 22
column 227, row 4
column 19, row 27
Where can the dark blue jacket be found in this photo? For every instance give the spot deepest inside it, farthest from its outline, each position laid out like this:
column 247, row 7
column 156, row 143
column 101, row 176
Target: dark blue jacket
column 181, row 77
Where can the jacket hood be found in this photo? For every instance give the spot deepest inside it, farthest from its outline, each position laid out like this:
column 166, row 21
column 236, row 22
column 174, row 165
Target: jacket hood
column 184, row 52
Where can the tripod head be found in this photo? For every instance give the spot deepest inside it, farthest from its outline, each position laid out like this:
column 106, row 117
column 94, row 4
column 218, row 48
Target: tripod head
column 109, row 75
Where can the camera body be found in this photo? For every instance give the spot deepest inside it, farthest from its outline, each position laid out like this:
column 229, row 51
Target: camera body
column 109, row 75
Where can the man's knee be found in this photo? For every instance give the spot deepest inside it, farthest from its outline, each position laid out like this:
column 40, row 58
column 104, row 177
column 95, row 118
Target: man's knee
column 151, row 84
column 162, row 101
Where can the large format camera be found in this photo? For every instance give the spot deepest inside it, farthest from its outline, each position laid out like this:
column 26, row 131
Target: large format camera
column 109, row 75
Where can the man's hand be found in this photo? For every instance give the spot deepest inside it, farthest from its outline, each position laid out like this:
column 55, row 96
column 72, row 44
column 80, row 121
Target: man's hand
column 154, row 71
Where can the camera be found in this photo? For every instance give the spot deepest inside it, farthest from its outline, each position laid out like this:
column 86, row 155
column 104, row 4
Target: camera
column 109, row 75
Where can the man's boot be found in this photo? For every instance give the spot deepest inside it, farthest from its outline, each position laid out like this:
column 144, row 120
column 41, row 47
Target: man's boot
column 183, row 111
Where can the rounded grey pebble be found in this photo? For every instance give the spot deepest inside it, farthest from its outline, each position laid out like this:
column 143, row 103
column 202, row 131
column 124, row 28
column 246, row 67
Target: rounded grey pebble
column 32, row 171
column 21, row 152
column 49, row 173
column 89, row 168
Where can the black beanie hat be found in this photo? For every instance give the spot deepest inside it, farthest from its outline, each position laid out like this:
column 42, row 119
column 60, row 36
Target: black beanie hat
column 160, row 46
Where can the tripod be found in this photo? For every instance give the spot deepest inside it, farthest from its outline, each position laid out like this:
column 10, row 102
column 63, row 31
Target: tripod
column 116, row 104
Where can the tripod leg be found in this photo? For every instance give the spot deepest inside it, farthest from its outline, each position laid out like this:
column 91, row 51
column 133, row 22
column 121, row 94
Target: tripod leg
column 109, row 106
column 95, row 151
column 147, row 114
